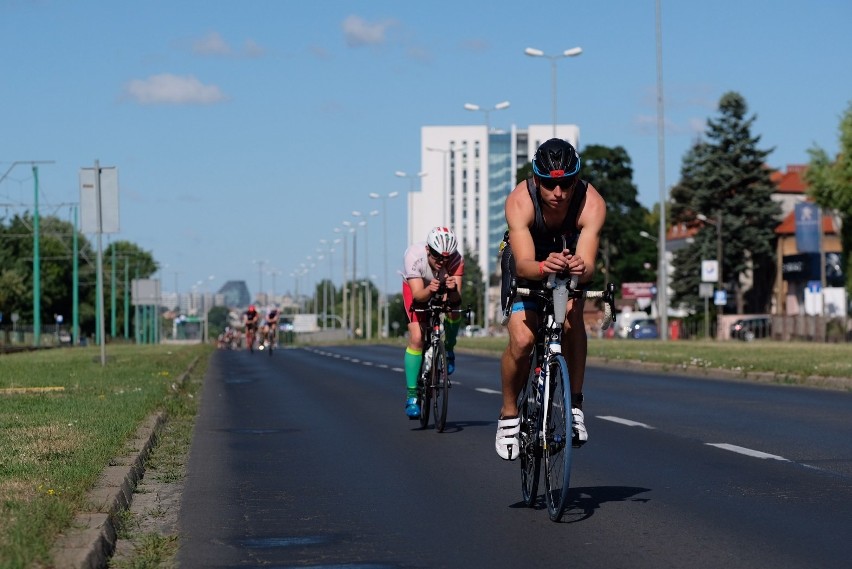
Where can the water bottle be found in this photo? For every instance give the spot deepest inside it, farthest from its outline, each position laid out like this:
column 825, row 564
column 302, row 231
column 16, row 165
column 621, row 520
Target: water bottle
column 560, row 297
column 427, row 360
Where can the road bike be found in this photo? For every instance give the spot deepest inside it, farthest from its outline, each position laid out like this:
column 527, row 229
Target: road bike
column 251, row 332
column 544, row 404
column 269, row 339
column 433, row 381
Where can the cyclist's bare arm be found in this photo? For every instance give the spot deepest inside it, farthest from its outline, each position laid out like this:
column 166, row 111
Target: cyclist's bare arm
column 419, row 291
column 520, row 215
column 591, row 221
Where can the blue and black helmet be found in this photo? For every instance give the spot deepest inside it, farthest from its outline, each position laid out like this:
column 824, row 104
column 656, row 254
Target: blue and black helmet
column 556, row 158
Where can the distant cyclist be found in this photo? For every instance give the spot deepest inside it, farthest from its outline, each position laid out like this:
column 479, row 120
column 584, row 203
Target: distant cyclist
column 270, row 323
column 251, row 317
column 555, row 220
column 430, row 267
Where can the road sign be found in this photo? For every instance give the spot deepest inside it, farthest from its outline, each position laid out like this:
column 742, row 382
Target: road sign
column 705, row 290
column 632, row 291
column 108, row 205
column 709, row 271
column 720, row 298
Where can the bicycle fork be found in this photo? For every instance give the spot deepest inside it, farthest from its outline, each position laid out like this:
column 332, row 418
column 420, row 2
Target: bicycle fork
column 553, row 347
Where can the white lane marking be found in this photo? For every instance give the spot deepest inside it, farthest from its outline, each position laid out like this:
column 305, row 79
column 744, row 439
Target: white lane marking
column 367, row 363
column 627, row 422
column 397, row 369
column 747, row 451
column 489, row 391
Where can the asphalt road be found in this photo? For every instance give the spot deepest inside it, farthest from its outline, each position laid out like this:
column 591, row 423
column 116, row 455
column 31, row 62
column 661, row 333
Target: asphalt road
column 306, row 458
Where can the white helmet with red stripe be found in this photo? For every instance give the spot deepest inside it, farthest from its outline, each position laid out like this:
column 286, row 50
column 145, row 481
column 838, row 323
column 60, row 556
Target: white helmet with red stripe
column 442, row 241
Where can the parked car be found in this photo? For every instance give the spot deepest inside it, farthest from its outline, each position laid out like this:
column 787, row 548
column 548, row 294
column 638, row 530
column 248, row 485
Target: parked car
column 643, row 329
column 747, row 329
column 473, row 330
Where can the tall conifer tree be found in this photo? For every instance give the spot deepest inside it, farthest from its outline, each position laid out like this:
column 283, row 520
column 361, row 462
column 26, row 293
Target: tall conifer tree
column 727, row 176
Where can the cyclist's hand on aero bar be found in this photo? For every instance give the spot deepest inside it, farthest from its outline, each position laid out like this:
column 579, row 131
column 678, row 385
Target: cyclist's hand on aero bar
column 435, row 286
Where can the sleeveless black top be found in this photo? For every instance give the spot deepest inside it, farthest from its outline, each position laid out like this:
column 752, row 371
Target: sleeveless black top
column 565, row 236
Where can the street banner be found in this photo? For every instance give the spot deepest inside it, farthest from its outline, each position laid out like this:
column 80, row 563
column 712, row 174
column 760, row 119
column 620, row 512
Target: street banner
column 808, row 217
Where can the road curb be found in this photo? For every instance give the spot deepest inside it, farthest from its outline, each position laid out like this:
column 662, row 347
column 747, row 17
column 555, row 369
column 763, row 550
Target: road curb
column 827, row 382
column 90, row 540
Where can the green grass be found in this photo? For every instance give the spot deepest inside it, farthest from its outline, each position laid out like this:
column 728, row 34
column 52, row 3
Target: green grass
column 786, row 360
column 54, row 444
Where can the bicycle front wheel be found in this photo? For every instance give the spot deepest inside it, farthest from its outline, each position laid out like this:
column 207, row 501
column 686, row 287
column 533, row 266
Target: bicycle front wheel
column 557, row 439
column 440, row 386
column 424, row 394
column 528, row 438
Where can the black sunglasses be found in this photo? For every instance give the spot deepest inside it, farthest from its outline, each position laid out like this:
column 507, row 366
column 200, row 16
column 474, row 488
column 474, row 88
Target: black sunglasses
column 551, row 183
column 435, row 255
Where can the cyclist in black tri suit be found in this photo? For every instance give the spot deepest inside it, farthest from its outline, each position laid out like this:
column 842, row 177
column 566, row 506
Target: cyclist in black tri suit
column 555, row 220
column 250, row 319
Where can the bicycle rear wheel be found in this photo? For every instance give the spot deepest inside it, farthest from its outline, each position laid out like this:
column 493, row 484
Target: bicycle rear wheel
column 528, row 438
column 557, row 443
column 440, row 386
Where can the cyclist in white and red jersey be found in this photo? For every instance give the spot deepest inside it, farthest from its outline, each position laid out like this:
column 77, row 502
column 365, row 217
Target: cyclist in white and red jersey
column 431, row 267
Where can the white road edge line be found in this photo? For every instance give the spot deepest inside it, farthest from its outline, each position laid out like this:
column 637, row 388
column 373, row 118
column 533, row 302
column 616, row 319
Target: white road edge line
column 747, row 451
column 489, row 391
column 627, row 422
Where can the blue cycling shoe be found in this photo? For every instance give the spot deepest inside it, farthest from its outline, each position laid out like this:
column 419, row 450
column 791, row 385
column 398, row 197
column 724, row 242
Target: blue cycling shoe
column 412, row 409
column 451, row 362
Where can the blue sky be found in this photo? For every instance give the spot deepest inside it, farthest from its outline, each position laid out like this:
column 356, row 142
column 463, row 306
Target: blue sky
column 247, row 131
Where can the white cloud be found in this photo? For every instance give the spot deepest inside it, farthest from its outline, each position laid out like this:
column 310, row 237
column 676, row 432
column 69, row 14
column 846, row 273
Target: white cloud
column 211, row 44
column 168, row 89
column 214, row 45
column 253, row 49
column 359, row 32
column 647, row 125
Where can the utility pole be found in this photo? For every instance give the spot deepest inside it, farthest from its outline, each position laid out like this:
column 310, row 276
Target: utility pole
column 36, row 260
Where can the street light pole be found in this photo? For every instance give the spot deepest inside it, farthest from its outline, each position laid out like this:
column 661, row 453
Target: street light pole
column 573, row 52
column 383, row 310
column 498, row 107
column 663, row 284
column 260, row 276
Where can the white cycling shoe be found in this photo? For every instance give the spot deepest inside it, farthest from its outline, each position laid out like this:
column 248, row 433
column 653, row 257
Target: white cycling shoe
column 507, row 438
column 580, row 435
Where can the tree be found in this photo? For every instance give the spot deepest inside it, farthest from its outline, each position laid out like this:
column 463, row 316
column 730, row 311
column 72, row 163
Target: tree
column 727, row 176
column 473, row 288
column 140, row 264
column 624, row 252
column 55, row 269
column 217, row 320
column 830, row 185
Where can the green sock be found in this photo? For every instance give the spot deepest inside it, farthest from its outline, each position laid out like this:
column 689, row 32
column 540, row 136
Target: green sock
column 412, row 369
column 451, row 330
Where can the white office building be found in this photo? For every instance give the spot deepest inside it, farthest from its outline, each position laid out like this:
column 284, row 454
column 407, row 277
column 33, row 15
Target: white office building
column 467, row 172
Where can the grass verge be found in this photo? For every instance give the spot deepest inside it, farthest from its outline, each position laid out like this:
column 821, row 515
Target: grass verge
column 787, row 361
column 54, row 443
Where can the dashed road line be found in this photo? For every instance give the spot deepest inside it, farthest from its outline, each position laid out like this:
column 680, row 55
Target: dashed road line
column 747, row 451
column 627, row 422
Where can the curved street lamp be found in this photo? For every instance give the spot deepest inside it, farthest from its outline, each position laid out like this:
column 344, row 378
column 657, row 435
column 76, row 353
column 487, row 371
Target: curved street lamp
column 573, row 52
column 498, row 107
